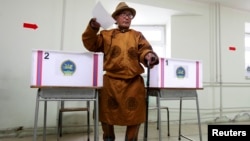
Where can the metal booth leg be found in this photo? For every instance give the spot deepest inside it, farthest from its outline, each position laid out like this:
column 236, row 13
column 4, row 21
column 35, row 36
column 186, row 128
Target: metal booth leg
column 198, row 116
column 36, row 115
column 96, row 107
column 59, row 120
column 60, row 116
column 159, row 114
column 45, row 120
column 88, row 122
column 179, row 136
column 168, row 122
column 159, row 108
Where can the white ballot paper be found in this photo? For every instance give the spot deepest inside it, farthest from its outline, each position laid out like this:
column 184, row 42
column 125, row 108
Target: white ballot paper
column 102, row 16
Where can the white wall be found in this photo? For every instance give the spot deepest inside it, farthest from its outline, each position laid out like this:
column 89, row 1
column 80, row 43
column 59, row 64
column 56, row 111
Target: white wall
column 17, row 99
column 207, row 37
column 193, row 36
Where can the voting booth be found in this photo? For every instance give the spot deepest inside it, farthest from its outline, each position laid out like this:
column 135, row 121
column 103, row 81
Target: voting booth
column 176, row 73
column 176, row 79
column 66, row 76
column 60, row 68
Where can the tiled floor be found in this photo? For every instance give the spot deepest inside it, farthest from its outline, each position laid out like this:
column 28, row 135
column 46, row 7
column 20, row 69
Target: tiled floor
column 189, row 130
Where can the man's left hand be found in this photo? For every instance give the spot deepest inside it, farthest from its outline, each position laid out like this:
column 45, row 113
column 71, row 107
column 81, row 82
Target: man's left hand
column 152, row 59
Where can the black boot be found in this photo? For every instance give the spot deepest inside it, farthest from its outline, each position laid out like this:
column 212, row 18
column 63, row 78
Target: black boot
column 126, row 139
column 109, row 139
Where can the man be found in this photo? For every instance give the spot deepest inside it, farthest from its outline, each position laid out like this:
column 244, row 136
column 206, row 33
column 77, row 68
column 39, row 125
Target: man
column 122, row 98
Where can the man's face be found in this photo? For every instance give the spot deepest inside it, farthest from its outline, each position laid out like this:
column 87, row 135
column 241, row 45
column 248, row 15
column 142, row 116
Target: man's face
column 124, row 19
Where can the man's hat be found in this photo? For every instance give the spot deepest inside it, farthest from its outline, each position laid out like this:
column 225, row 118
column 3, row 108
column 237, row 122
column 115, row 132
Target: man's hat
column 121, row 7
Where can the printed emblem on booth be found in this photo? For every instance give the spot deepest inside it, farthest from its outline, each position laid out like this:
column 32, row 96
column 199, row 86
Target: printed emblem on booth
column 180, row 72
column 248, row 69
column 68, row 68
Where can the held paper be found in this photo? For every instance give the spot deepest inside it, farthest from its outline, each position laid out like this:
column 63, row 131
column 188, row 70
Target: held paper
column 102, row 16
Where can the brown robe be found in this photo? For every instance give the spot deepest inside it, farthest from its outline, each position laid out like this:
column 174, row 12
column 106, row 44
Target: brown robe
column 122, row 98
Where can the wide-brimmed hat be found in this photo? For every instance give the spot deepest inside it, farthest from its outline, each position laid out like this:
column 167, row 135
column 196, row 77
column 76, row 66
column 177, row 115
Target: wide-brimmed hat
column 121, row 7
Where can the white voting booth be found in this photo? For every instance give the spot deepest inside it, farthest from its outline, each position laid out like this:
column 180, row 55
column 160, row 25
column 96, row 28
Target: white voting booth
column 176, row 73
column 69, row 69
column 66, row 76
column 176, row 79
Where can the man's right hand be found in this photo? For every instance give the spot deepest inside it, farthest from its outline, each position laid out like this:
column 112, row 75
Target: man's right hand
column 94, row 24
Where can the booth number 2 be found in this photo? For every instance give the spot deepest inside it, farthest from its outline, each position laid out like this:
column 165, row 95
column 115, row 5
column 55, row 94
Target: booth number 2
column 46, row 55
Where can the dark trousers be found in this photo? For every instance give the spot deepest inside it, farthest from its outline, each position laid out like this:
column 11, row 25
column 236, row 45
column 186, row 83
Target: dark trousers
column 132, row 132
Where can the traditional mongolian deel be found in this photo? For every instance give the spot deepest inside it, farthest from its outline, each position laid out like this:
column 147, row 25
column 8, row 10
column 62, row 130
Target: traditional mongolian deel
column 122, row 97
column 73, row 69
column 177, row 73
